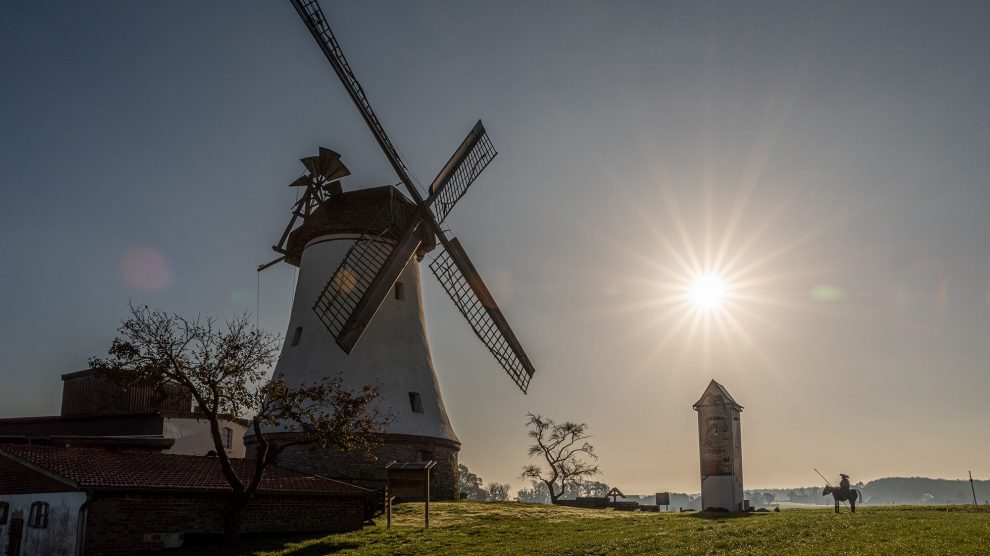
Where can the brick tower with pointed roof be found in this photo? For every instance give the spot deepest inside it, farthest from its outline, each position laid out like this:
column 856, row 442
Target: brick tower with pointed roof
column 720, row 441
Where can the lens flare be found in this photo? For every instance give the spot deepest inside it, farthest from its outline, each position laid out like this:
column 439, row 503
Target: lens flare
column 145, row 268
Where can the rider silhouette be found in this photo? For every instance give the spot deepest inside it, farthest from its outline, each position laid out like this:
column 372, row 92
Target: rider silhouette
column 844, row 483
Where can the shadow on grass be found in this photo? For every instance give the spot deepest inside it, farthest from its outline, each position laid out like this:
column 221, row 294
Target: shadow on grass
column 323, row 547
column 726, row 515
column 215, row 545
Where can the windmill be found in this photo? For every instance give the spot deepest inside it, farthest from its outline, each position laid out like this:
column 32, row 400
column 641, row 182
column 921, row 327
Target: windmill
column 357, row 251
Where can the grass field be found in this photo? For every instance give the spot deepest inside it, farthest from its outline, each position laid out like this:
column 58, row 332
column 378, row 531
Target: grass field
column 514, row 528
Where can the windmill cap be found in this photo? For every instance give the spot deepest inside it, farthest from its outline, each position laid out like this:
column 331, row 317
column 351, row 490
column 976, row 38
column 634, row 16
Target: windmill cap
column 843, row 475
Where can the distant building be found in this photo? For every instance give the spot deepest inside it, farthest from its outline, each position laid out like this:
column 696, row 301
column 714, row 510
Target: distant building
column 95, row 412
column 58, row 501
column 720, row 441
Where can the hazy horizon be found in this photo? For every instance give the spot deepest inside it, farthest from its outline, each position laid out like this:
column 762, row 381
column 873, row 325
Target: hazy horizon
column 830, row 160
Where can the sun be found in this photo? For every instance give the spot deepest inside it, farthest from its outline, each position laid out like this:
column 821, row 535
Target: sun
column 707, row 292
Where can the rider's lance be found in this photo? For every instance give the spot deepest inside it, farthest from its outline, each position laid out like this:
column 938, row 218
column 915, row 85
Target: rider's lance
column 828, row 483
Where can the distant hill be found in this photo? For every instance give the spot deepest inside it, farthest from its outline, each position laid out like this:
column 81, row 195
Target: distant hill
column 886, row 491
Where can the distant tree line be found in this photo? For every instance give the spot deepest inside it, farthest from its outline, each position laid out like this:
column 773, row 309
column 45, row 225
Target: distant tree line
column 473, row 487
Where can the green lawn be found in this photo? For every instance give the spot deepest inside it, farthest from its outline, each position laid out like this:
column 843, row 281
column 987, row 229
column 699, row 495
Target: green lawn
column 513, row 528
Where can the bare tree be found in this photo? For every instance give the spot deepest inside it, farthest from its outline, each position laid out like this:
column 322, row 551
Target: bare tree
column 225, row 368
column 498, row 492
column 564, row 447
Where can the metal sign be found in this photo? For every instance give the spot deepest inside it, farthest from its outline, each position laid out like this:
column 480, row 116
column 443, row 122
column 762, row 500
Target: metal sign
column 408, row 480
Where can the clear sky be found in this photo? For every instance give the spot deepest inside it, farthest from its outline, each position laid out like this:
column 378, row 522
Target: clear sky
column 830, row 161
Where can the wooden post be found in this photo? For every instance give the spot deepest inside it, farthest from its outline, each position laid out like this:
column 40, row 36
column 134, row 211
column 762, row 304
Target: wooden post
column 973, row 488
column 426, row 488
column 388, row 511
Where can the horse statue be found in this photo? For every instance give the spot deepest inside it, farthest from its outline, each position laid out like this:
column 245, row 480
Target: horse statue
column 851, row 495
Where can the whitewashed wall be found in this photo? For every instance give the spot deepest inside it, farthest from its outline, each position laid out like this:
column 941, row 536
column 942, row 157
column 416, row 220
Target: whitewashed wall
column 722, row 492
column 193, row 438
column 393, row 354
column 59, row 538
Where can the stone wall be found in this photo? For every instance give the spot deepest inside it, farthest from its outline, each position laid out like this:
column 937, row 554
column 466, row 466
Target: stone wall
column 135, row 522
column 354, row 468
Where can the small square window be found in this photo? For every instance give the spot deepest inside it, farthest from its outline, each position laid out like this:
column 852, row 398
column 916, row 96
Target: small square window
column 400, row 291
column 4, row 510
column 38, row 518
column 296, row 336
column 416, row 402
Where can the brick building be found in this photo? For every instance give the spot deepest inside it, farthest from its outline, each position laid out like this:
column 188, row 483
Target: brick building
column 66, row 501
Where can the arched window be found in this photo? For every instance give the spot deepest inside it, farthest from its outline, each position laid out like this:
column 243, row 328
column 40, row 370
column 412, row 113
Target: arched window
column 4, row 510
column 38, row 518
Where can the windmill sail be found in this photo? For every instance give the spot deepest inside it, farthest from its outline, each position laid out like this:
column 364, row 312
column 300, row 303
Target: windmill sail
column 316, row 22
column 469, row 293
column 356, row 290
column 466, row 164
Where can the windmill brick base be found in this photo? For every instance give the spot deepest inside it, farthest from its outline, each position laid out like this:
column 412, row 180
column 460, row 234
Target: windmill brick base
column 354, row 468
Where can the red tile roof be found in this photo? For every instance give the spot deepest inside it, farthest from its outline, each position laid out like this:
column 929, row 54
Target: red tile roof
column 94, row 468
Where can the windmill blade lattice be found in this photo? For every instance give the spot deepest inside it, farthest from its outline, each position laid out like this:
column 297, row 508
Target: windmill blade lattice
column 363, row 262
column 466, row 290
column 466, row 164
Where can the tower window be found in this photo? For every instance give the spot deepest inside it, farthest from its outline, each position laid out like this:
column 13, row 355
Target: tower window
column 416, row 402
column 296, row 335
column 400, row 291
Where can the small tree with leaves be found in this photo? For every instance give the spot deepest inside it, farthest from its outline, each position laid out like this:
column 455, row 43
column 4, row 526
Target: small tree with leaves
column 225, row 369
column 536, row 494
column 592, row 488
column 565, row 449
column 498, row 492
column 471, row 485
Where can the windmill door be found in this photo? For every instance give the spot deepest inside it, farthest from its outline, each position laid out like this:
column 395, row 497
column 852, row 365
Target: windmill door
column 14, row 533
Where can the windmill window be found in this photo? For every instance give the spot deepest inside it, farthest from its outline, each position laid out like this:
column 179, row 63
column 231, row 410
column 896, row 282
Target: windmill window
column 400, row 291
column 416, row 402
column 296, row 335
column 228, row 438
column 4, row 510
column 38, row 518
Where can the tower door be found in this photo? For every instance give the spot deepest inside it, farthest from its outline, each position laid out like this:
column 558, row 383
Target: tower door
column 14, row 533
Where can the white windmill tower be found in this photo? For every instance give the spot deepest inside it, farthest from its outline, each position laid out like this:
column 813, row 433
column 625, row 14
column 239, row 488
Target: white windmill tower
column 358, row 254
